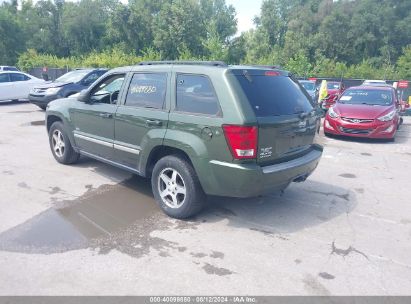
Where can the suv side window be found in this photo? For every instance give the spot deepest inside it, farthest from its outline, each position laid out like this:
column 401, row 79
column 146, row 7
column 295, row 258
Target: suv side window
column 147, row 90
column 108, row 89
column 18, row 77
column 195, row 94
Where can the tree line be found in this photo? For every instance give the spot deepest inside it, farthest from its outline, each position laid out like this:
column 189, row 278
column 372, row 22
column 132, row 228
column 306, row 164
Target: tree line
column 345, row 38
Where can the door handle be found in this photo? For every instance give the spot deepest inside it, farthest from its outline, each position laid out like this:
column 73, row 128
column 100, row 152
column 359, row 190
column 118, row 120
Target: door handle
column 151, row 122
column 106, row 115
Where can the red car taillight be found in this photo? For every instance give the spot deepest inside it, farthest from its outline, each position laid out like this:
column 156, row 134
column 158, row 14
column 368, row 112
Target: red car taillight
column 242, row 140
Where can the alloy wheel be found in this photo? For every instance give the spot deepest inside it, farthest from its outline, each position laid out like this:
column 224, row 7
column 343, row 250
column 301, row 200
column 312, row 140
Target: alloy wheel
column 172, row 188
column 58, row 143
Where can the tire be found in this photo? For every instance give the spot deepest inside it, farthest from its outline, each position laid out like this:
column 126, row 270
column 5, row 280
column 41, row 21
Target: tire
column 64, row 153
column 173, row 176
column 43, row 107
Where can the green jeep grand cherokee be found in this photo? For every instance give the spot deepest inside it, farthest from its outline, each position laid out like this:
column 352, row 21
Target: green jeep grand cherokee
column 194, row 128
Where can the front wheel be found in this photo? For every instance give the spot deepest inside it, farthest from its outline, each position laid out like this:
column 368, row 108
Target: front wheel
column 176, row 187
column 60, row 145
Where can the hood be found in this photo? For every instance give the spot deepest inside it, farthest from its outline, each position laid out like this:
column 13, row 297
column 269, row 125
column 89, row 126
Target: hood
column 52, row 84
column 361, row 111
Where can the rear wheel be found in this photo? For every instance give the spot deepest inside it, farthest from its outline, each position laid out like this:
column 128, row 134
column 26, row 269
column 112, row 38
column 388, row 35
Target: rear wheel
column 176, row 187
column 60, row 145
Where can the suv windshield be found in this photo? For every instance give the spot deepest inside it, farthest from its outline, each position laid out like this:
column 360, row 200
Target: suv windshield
column 73, row 76
column 273, row 95
column 368, row 97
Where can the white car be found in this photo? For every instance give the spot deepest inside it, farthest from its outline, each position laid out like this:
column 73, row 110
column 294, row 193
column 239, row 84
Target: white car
column 8, row 68
column 16, row 85
column 374, row 82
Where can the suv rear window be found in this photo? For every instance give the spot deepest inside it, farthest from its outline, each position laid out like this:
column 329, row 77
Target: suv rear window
column 273, row 95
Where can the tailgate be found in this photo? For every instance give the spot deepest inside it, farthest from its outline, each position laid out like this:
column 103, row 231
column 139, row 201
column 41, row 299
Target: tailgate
column 285, row 116
column 283, row 138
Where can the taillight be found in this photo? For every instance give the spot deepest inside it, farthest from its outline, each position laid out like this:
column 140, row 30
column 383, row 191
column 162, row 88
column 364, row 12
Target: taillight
column 242, row 140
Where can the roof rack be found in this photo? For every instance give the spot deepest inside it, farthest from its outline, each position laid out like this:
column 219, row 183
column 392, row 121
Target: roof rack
column 209, row 63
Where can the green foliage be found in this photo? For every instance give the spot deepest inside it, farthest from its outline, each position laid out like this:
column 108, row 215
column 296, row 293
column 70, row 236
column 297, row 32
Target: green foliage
column 108, row 58
column 31, row 59
column 356, row 38
column 11, row 36
column 404, row 63
column 178, row 25
column 299, row 65
column 214, row 47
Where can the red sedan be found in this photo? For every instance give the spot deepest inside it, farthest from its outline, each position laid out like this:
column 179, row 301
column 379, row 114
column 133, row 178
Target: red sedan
column 364, row 111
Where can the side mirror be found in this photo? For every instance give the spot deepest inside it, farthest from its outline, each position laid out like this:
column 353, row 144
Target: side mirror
column 83, row 96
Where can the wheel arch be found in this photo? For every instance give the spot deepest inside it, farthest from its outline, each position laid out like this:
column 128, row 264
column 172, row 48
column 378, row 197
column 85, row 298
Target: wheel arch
column 52, row 119
column 159, row 152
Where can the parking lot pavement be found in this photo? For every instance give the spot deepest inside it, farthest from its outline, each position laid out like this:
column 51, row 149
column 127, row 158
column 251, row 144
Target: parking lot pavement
column 91, row 229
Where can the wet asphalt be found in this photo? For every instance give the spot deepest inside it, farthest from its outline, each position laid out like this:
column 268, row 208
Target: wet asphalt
column 96, row 230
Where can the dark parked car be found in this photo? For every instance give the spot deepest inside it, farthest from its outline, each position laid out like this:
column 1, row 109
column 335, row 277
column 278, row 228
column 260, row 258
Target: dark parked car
column 194, row 128
column 311, row 89
column 64, row 86
column 365, row 111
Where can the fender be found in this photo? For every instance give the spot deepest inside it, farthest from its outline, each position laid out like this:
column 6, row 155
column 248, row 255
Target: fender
column 197, row 152
column 59, row 108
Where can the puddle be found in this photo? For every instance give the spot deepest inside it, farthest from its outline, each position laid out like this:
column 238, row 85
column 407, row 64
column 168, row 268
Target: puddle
column 34, row 123
column 88, row 221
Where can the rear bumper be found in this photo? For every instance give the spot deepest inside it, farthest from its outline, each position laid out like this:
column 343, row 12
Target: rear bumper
column 250, row 180
column 376, row 129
